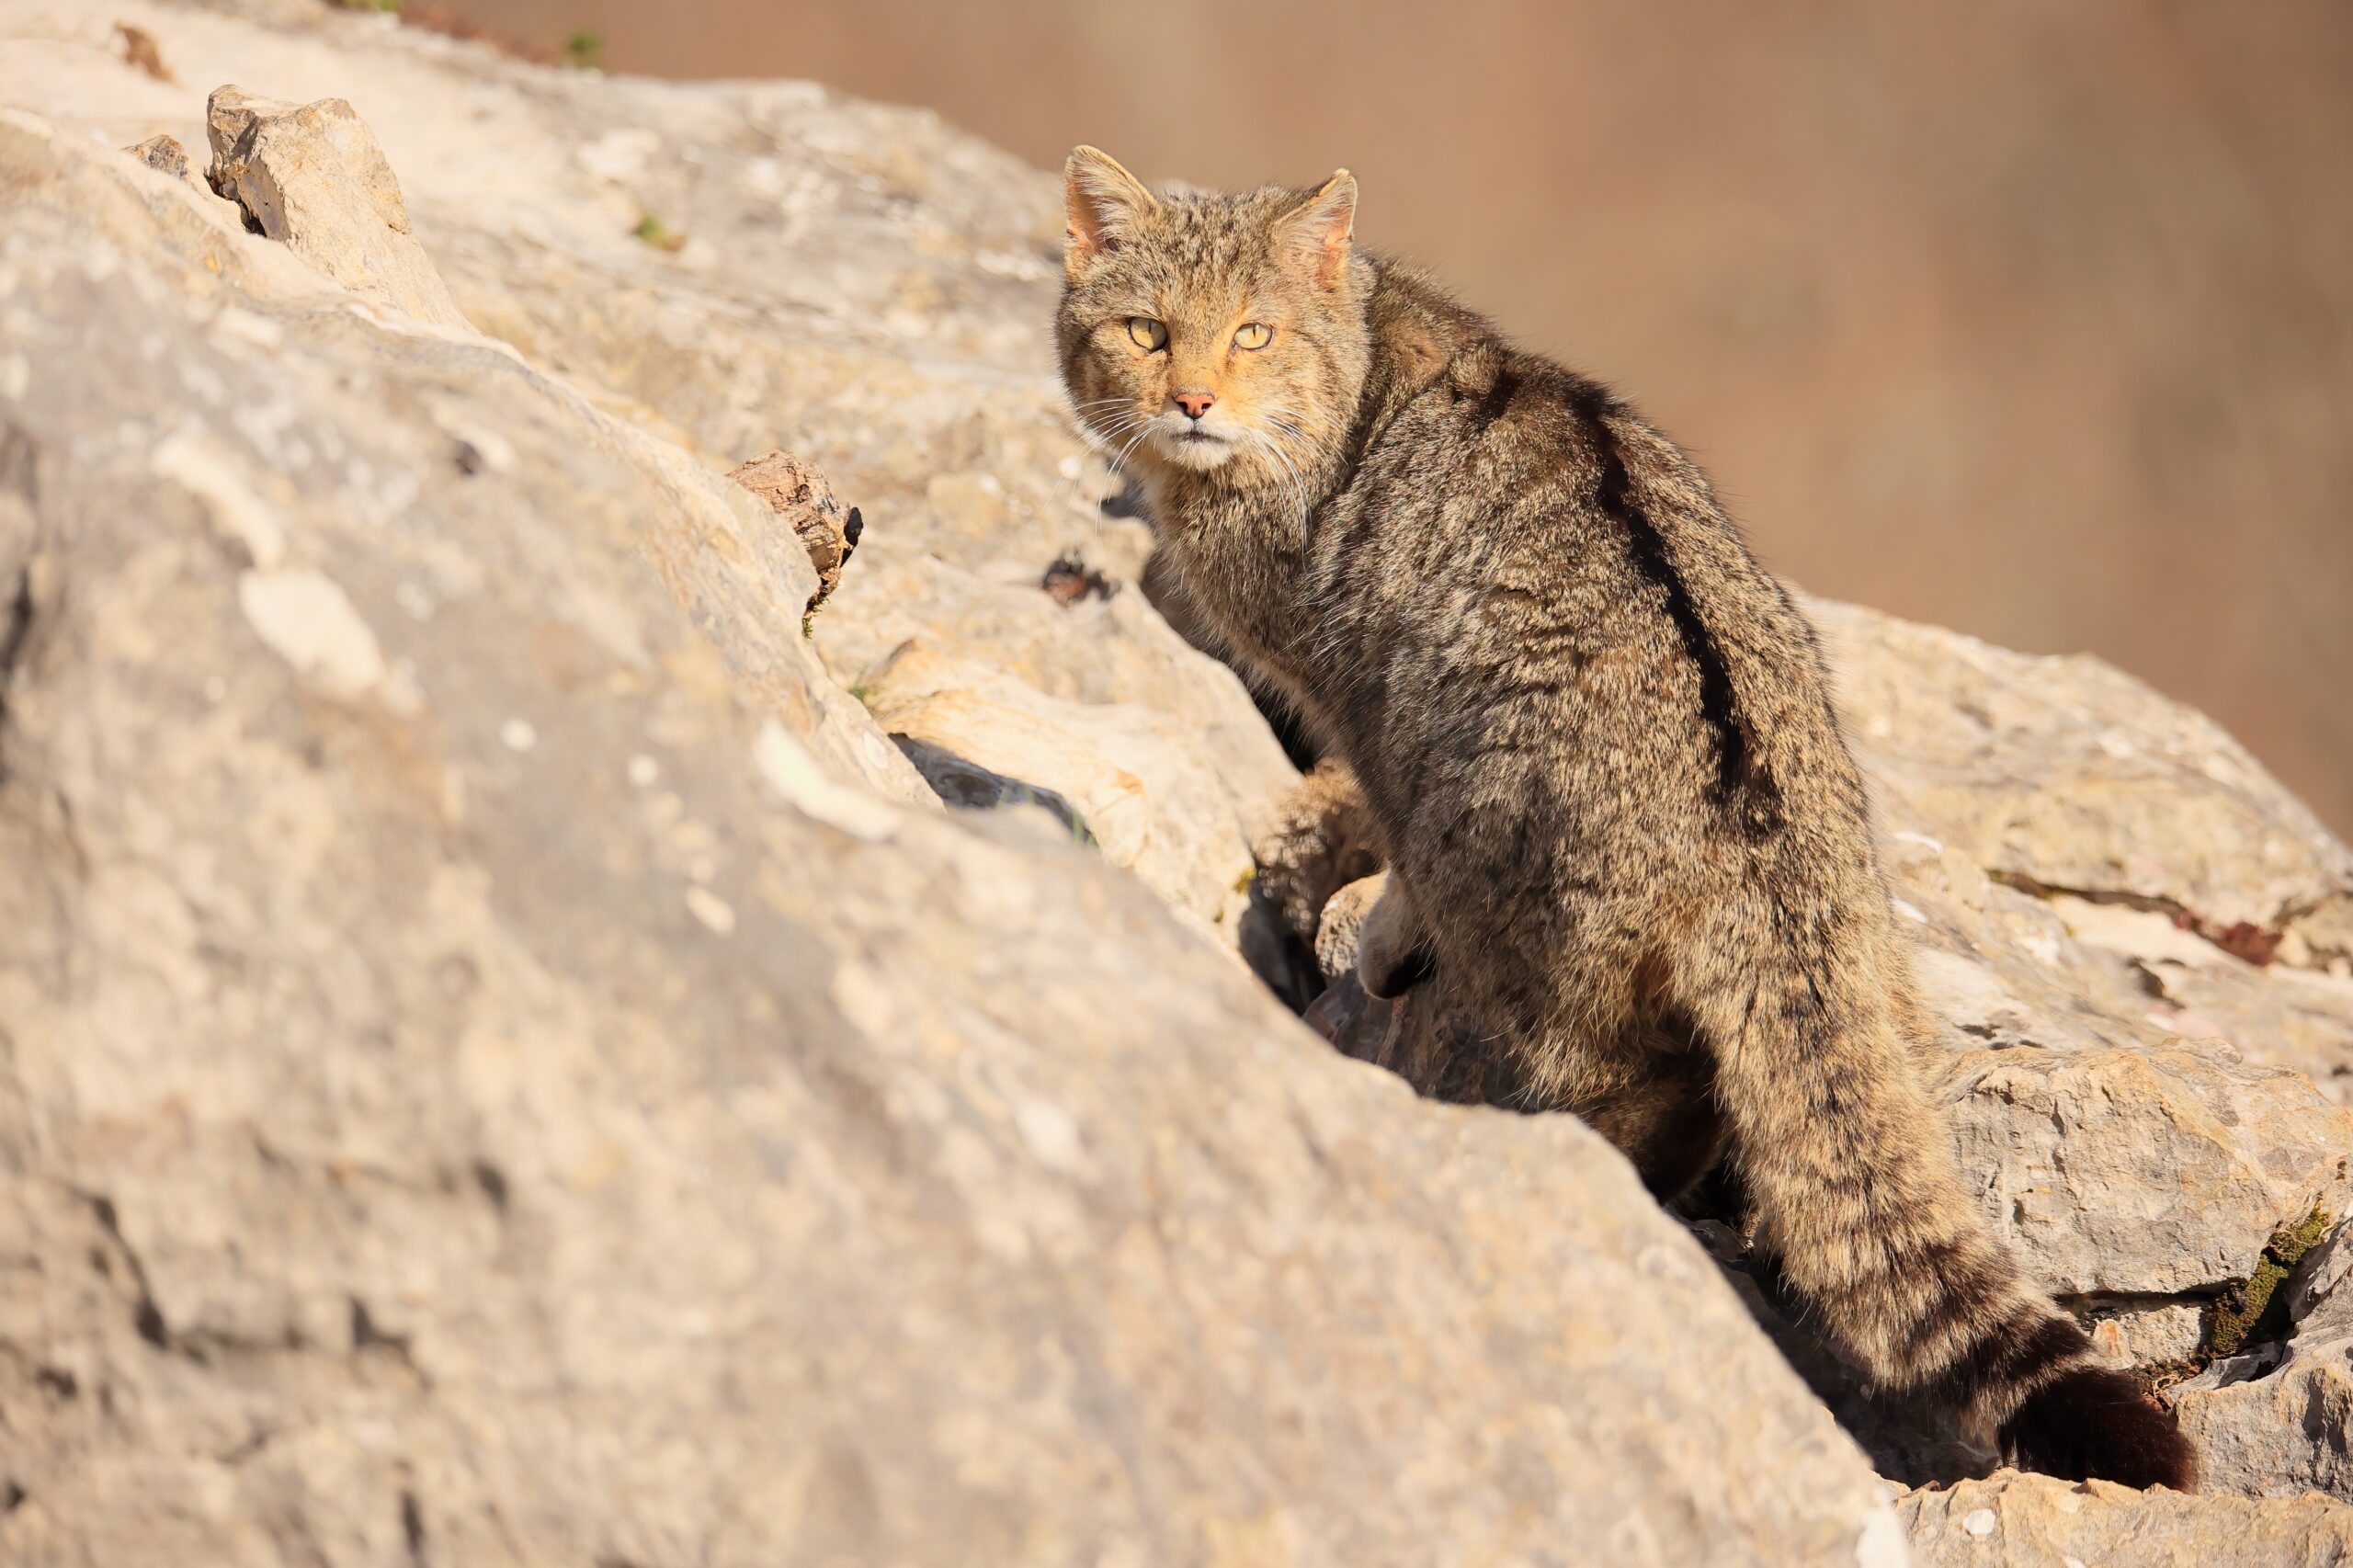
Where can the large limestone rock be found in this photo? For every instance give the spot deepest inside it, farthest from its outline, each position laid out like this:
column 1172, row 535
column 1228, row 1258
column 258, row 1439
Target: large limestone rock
column 2133, row 799
column 2032, row 1521
column 505, row 1063
column 541, row 1078
column 859, row 286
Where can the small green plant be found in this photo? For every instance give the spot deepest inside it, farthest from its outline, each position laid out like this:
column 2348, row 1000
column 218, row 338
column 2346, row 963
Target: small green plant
column 2255, row 1311
column 370, row 4
column 584, row 50
column 657, row 233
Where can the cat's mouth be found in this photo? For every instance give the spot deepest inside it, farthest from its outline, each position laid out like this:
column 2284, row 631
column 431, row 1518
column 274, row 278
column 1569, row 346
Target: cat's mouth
column 1195, row 447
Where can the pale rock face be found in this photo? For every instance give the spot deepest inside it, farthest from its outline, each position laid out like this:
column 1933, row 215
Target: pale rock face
column 506, row 1062
column 1132, row 779
column 503, row 1057
column 2033, row 1521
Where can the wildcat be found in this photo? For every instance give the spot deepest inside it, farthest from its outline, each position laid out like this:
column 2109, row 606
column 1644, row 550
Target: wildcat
column 1621, row 826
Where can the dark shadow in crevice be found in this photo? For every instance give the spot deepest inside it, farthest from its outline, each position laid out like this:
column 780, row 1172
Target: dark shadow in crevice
column 964, row 784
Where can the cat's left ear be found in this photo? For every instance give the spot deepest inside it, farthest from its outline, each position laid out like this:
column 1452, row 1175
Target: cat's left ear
column 1321, row 227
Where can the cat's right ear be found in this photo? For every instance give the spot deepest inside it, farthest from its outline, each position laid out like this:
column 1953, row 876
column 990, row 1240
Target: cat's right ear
column 1102, row 202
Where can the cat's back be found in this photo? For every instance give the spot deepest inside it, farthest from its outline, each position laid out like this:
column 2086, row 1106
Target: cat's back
column 1478, row 504
column 1518, row 536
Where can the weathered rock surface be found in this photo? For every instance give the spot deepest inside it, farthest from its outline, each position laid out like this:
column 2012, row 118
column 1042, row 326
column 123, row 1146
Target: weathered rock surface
column 2145, row 1171
column 2033, row 1521
column 1134, row 777
column 2068, row 774
column 503, row 1062
column 2277, row 1421
column 525, row 1027
column 799, row 494
column 312, row 176
column 861, row 287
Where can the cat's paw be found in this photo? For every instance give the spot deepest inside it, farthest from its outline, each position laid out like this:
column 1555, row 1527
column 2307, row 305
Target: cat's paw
column 1394, row 952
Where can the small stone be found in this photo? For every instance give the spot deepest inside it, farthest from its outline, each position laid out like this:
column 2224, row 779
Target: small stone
column 1980, row 1522
column 165, row 155
column 312, row 176
column 518, row 734
column 710, row 909
column 797, row 492
column 307, row 621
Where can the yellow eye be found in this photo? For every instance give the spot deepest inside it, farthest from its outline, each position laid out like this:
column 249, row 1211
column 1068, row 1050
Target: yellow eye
column 1257, row 335
column 1148, row 332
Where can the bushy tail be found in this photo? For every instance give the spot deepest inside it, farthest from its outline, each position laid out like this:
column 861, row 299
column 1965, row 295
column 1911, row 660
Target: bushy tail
column 1853, row 1185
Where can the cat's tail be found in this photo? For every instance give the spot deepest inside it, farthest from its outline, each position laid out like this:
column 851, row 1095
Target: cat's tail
column 1857, row 1196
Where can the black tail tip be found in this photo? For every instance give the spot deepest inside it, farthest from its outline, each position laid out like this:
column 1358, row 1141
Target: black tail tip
column 2096, row 1422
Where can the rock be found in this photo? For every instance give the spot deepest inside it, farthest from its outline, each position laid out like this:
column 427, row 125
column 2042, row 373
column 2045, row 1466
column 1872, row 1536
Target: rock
column 2134, row 800
column 493, row 1073
column 2143, row 1171
column 165, row 155
column 798, row 494
column 1133, row 777
column 1339, row 933
column 313, row 178
column 2033, row 1521
column 2166, row 1333
column 2320, row 1299
column 2277, row 1421
column 527, row 1024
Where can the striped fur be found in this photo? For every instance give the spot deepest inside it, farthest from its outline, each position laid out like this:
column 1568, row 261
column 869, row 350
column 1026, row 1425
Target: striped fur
column 1596, row 737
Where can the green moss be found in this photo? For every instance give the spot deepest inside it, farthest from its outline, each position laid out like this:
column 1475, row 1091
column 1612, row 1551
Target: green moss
column 657, row 233
column 1241, row 883
column 584, row 50
column 2255, row 1311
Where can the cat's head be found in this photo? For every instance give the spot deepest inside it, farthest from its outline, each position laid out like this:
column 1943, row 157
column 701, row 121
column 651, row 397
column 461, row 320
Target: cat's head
column 1208, row 331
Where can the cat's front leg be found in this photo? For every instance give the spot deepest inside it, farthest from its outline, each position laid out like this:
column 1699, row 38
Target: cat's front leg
column 1394, row 952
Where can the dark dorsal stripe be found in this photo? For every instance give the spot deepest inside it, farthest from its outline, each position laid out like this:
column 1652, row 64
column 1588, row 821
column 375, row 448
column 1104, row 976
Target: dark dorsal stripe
column 1497, row 399
column 1737, row 772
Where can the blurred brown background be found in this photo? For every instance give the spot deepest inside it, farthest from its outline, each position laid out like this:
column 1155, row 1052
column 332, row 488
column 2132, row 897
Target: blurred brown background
column 2032, row 320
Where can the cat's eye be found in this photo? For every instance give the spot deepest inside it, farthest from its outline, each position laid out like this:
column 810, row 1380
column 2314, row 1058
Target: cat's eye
column 1148, row 332
column 1256, row 334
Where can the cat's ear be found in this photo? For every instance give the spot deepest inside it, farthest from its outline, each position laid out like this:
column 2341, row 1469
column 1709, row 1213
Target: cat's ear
column 1102, row 202
column 1319, row 229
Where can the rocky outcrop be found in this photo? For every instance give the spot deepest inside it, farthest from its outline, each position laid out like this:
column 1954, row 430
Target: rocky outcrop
column 506, row 1062
column 2032, row 1521
column 504, row 1057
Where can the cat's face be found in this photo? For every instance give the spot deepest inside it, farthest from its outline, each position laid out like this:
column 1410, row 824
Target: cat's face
column 1209, row 333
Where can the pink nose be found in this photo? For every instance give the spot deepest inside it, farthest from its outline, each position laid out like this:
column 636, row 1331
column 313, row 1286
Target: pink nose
column 1195, row 403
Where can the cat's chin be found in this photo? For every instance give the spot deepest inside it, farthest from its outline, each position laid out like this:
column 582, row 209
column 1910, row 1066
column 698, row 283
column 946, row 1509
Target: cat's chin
column 1199, row 454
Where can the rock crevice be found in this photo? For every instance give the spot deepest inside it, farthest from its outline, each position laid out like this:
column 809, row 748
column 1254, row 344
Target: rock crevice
column 509, row 975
